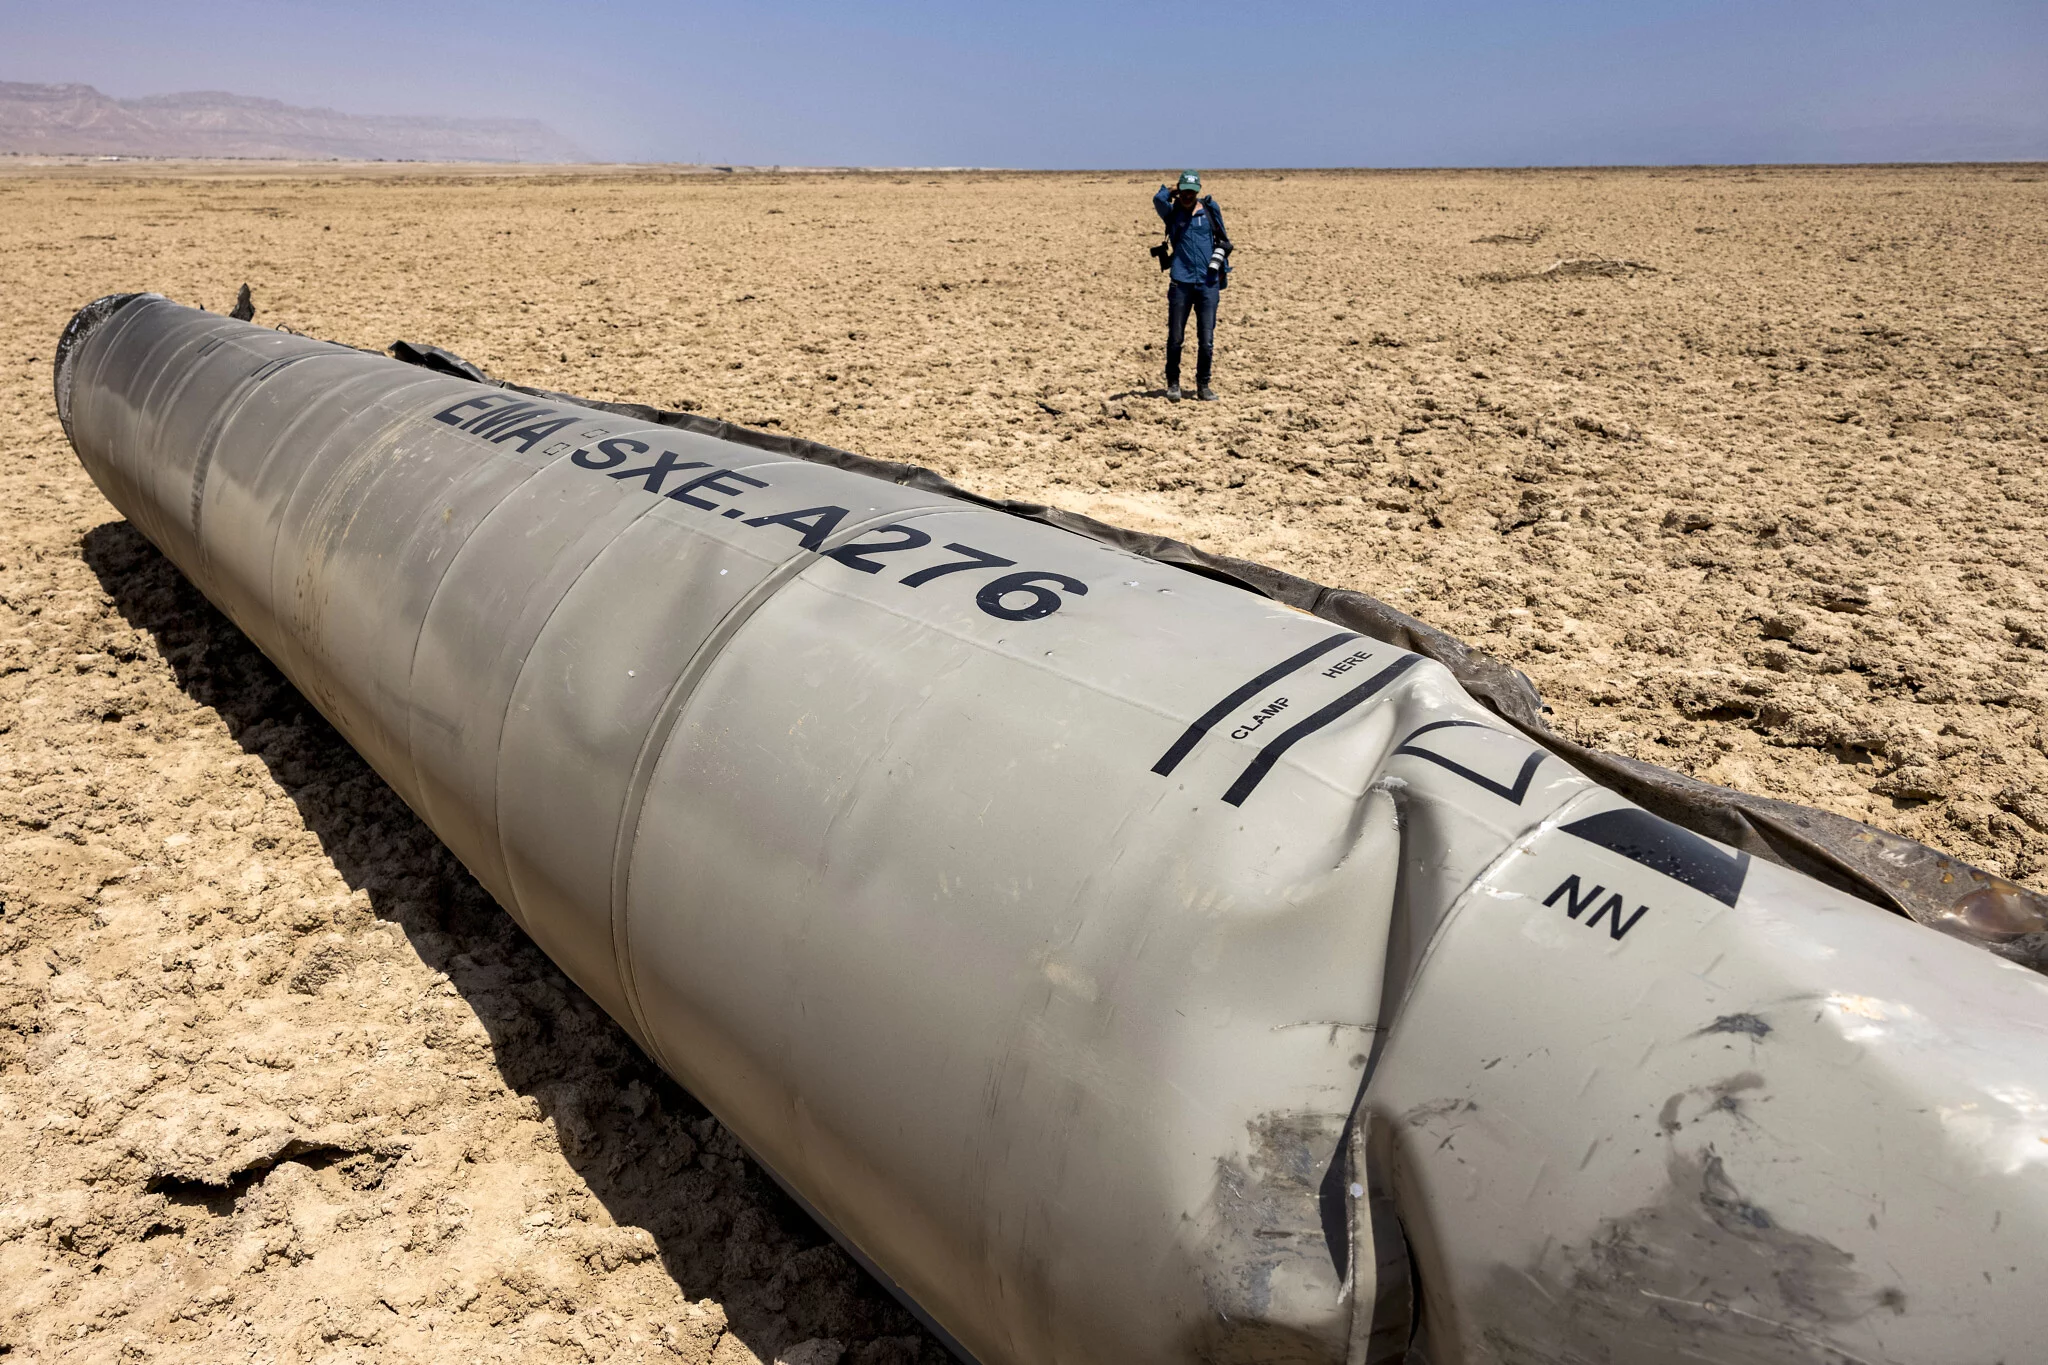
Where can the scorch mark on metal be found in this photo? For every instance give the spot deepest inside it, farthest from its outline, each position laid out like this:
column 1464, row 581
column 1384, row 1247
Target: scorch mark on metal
column 1700, row 1273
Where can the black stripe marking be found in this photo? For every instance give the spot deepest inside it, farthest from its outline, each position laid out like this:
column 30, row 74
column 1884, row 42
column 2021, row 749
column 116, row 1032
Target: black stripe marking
column 272, row 367
column 1256, row 771
column 1185, row 745
column 1513, row 793
column 1663, row 847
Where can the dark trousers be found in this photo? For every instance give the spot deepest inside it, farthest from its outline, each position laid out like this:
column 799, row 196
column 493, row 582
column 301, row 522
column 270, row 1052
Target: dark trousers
column 1180, row 298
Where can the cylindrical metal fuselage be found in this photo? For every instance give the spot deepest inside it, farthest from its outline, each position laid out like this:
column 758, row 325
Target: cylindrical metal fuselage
column 1037, row 912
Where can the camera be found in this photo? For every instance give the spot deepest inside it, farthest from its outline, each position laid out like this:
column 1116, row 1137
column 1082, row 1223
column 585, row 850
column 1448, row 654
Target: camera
column 1162, row 253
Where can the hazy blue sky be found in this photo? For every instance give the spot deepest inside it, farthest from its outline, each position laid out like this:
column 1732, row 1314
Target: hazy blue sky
column 1085, row 83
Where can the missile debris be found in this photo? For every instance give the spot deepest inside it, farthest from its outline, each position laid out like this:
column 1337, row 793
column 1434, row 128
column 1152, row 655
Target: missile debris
column 1129, row 967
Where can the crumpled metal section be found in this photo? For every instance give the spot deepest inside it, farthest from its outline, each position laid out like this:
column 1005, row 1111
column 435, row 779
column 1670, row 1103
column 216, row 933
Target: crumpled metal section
column 1900, row 874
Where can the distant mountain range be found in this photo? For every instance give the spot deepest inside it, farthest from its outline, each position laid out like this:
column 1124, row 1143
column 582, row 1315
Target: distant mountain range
column 79, row 120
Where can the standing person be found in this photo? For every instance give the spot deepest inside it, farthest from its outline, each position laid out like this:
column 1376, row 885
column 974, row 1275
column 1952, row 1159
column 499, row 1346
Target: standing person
column 1199, row 259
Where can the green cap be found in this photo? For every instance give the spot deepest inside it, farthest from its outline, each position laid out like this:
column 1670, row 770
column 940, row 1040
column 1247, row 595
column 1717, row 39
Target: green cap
column 1189, row 180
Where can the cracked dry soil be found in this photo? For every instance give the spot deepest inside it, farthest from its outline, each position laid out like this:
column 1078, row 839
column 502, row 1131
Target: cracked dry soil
column 1763, row 501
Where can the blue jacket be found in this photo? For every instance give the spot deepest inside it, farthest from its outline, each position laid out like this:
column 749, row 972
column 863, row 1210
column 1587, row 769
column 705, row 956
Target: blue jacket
column 1195, row 235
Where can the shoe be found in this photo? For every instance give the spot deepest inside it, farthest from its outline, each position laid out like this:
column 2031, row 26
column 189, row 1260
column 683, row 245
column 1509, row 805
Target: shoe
column 1173, row 393
column 1206, row 394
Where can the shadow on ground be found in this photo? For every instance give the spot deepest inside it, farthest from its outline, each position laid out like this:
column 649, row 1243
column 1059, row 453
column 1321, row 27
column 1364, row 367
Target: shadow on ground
column 640, row 1142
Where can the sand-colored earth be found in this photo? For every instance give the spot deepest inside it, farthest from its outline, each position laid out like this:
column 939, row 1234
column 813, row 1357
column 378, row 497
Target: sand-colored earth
column 278, row 1083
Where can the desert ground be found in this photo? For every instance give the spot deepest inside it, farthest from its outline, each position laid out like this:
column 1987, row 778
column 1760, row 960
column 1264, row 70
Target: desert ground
column 1760, row 499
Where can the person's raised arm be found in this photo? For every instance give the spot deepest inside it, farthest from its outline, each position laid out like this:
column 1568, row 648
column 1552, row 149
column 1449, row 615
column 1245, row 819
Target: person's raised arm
column 1162, row 203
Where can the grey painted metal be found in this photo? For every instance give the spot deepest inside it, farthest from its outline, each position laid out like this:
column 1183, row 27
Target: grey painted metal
column 1037, row 912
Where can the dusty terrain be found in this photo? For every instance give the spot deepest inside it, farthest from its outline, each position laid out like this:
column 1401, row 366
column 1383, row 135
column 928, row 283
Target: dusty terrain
column 278, row 1083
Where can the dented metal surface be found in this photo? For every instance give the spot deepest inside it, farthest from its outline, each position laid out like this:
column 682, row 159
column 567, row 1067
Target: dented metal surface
column 1873, row 864
column 1774, row 1127
column 1131, row 967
